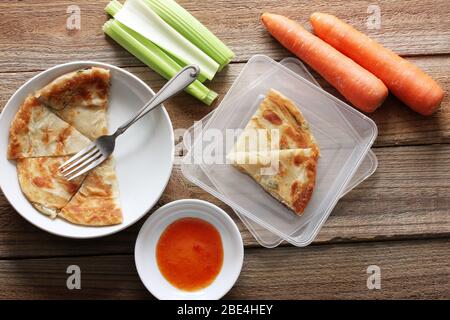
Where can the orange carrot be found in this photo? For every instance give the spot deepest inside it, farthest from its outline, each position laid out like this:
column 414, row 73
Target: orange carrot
column 410, row 84
column 357, row 85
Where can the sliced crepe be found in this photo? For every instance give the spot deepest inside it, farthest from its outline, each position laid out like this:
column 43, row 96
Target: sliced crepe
column 81, row 99
column 277, row 116
column 97, row 201
column 278, row 150
column 37, row 132
column 44, row 186
column 288, row 175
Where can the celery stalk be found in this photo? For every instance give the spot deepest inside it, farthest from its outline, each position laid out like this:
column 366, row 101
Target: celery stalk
column 200, row 77
column 192, row 29
column 153, row 56
column 138, row 16
column 114, row 6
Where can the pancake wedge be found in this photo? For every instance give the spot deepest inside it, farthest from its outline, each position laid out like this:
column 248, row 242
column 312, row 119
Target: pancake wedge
column 43, row 185
column 97, row 201
column 288, row 175
column 37, row 132
column 277, row 149
column 54, row 123
column 81, row 99
column 278, row 114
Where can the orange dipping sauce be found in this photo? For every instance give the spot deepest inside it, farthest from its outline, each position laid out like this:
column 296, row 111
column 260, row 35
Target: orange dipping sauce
column 189, row 254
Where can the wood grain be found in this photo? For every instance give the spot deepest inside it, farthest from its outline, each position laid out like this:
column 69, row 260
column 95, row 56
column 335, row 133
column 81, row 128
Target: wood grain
column 397, row 124
column 409, row 270
column 33, row 32
column 406, row 198
column 398, row 219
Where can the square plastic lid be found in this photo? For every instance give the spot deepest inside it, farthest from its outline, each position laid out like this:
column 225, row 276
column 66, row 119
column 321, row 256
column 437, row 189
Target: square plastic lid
column 343, row 134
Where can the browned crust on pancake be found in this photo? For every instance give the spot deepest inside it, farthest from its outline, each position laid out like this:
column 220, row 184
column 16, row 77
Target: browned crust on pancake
column 36, row 132
column 286, row 106
column 277, row 112
column 95, row 203
column 74, row 88
column 302, row 193
column 91, row 201
column 20, row 127
column 281, row 112
column 80, row 211
column 81, row 99
column 43, row 185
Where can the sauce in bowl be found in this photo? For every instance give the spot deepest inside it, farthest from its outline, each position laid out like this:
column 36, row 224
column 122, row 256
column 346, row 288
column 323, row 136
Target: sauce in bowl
column 189, row 254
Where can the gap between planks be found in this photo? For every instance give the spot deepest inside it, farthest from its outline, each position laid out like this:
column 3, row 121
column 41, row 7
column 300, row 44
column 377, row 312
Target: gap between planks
column 410, row 209
column 397, row 124
column 408, row 270
column 232, row 62
column 255, row 246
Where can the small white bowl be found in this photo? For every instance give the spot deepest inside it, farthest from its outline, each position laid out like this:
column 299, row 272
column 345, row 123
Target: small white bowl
column 145, row 250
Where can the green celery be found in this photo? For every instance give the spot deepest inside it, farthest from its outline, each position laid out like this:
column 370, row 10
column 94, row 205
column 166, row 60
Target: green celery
column 200, row 78
column 192, row 29
column 152, row 56
column 138, row 16
column 114, row 6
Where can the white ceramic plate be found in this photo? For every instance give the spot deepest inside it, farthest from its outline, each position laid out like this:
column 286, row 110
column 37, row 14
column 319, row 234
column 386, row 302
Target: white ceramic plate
column 145, row 250
column 144, row 154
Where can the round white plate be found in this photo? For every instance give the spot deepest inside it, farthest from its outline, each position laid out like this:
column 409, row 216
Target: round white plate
column 145, row 250
column 143, row 155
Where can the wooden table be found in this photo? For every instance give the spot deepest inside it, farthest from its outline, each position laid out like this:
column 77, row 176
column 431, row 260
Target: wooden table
column 399, row 219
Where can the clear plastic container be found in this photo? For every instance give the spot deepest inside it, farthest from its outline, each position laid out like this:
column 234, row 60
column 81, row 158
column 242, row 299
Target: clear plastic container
column 264, row 237
column 343, row 134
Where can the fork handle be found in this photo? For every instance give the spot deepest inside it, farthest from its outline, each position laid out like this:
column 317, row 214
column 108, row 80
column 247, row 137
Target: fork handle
column 176, row 84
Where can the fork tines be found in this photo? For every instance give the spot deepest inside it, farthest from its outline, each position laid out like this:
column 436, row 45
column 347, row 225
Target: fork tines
column 82, row 162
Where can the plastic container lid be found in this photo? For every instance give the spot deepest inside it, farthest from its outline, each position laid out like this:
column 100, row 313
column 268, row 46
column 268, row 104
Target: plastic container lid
column 264, row 237
column 343, row 134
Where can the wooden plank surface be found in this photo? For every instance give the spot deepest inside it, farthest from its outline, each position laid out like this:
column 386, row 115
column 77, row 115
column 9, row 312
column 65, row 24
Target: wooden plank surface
column 397, row 124
column 407, row 197
column 411, row 269
column 398, row 219
column 408, row 27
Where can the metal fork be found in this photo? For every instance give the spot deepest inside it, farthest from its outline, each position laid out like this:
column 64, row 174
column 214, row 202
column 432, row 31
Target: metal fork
column 99, row 150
